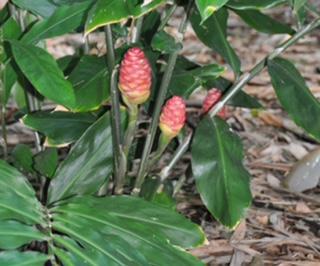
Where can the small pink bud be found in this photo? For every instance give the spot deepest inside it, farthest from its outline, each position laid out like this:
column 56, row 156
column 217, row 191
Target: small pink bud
column 135, row 76
column 211, row 99
column 173, row 117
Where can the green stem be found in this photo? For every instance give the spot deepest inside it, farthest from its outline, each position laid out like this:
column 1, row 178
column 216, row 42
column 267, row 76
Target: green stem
column 128, row 139
column 131, row 130
column 115, row 105
column 155, row 157
column 182, row 149
column 137, row 31
column 3, row 120
column 247, row 77
column 160, row 100
column 167, row 17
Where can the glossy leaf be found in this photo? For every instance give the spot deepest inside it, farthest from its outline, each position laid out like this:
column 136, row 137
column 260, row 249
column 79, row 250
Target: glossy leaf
column 64, row 20
column 100, row 14
column 263, row 23
column 183, row 83
column 44, row 8
column 165, row 43
column 9, row 79
column 88, row 164
column 14, row 234
column 254, row 4
column 18, row 200
column 44, row 74
column 59, row 127
column 23, row 158
column 298, row 4
column 16, row 258
column 294, row 95
column 124, row 223
column 208, row 7
column 46, row 162
column 221, row 179
column 213, row 33
column 90, row 80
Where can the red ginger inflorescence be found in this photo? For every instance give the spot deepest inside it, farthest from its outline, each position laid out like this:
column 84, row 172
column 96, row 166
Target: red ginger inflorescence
column 135, row 77
column 211, row 99
column 173, row 117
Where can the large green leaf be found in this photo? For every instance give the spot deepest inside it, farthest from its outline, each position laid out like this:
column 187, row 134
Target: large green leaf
column 16, row 258
column 17, row 197
column 44, row 8
column 64, row 20
column 88, row 164
column 221, row 179
column 295, row 96
column 44, row 74
column 208, row 7
column 131, row 232
column 59, row 127
column 90, row 80
column 254, row 4
column 263, row 23
column 14, row 234
column 213, row 33
column 100, row 14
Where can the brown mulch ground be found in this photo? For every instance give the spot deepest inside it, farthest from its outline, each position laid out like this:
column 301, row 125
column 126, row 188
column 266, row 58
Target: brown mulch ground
column 281, row 228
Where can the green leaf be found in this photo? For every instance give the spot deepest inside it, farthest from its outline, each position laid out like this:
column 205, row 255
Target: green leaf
column 208, row 7
column 17, row 197
column 9, row 79
column 11, row 29
column 183, row 83
column 165, row 43
column 143, row 231
column 294, row 95
column 44, row 8
column 90, row 80
column 46, row 162
column 16, row 258
column 263, row 23
column 254, row 4
column 59, row 127
column 23, row 158
column 100, row 14
column 14, row 234
column 87, row 166
column 298, row 4
column 44, row 74
column 64, row 20
column 221, row 179
column 213, row 33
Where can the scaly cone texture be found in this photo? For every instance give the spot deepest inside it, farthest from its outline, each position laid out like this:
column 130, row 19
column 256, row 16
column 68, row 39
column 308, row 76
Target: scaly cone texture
column 135, row 77
column 211, row 99
column 173, row 117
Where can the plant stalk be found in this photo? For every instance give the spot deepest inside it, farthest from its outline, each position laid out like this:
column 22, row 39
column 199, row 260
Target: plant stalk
column 115, row 105
column 165, row 20
column 137, row 30
column 156, row 113
column 247, row 77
